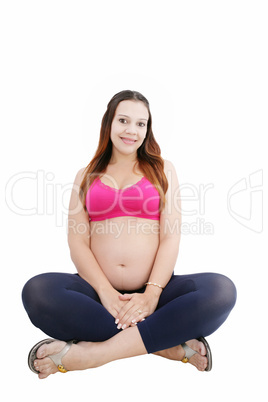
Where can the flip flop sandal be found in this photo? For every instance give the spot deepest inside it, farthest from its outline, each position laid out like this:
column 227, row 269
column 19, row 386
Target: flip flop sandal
column 55, row 358
column 190, row 352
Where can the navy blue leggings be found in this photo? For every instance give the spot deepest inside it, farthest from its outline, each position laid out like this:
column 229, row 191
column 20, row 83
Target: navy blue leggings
column 66, row 307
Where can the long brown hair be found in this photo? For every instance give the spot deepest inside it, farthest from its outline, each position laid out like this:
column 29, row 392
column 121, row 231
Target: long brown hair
column 149, row 157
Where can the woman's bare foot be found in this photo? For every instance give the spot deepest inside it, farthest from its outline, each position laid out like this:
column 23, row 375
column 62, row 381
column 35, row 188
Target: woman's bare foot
column 199, row 360
column 78, row 357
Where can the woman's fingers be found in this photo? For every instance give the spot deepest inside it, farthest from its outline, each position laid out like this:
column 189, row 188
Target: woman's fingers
column 133, row 324
column 125, row 297
column 135, row 309
column 140, row 317
column 132, row 317
column 127, row 305
column 125, row 317
column 124, row 308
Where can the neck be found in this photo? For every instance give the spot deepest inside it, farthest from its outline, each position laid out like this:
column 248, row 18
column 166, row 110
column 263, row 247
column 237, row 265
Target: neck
column 118, row 158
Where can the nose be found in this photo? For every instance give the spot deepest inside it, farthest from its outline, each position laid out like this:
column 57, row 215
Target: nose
column 131, row 129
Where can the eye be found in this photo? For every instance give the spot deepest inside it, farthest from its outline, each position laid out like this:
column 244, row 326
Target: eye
column 123, row 121
column 141, row 124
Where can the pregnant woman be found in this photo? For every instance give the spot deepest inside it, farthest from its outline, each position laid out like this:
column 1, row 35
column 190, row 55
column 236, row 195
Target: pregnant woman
column 124, row 234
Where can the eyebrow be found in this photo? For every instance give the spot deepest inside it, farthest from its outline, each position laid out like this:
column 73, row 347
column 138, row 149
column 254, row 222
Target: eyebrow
column 129, row 117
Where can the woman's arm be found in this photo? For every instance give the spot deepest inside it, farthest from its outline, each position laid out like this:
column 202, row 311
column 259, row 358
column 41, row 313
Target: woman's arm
column 81, row 254
column 170, row 234
column 170, row 224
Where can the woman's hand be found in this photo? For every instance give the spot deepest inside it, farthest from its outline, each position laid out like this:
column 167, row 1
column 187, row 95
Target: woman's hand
column 138, row 306
column 111, row 301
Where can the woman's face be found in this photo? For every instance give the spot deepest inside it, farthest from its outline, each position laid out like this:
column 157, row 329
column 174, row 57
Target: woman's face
column 129, row 127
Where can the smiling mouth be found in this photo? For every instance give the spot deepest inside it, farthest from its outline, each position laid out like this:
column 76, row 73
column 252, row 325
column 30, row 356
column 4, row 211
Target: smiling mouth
column 128, row 140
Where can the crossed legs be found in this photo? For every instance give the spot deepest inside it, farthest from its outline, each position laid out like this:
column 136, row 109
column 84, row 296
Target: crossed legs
column 86, row 355
column 66, row 307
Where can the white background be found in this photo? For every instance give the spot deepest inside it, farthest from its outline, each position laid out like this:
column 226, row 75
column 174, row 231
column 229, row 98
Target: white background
column 203, row 66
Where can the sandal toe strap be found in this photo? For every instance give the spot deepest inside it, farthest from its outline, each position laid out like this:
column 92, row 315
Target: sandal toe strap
column 188, row 353
column 57, row 358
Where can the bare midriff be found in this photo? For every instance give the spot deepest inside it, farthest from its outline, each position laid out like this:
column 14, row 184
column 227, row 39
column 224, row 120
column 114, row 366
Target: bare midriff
column 125, row 248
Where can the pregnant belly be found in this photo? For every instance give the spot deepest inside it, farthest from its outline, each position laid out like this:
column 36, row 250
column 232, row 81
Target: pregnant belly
column 125, row 248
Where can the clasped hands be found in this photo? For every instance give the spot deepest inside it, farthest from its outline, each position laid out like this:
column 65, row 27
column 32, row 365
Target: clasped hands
column 136, row 307
column 129, row 309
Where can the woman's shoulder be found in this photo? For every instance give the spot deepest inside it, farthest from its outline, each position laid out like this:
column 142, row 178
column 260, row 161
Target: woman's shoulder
column 168, row 166
column 171, row 174
column 79, row 176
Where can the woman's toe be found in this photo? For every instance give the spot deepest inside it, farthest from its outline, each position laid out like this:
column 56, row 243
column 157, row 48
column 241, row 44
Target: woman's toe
column 44, row 374
column 45, row 366
column 50, row 349
column 202, row 349
column 202, row 364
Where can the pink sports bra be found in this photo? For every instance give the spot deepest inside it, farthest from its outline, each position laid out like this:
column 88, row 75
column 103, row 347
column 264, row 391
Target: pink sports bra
column 140, row 200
